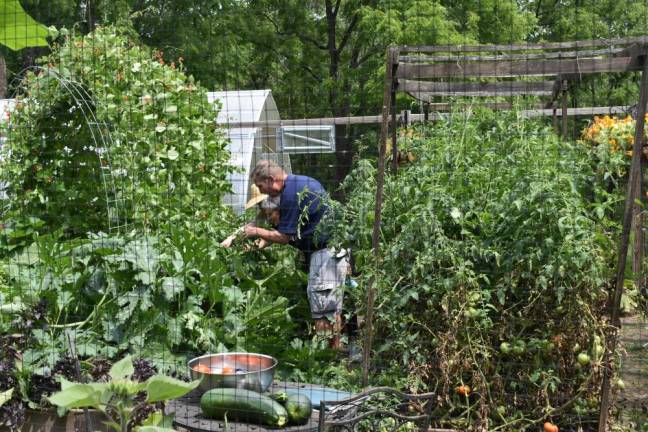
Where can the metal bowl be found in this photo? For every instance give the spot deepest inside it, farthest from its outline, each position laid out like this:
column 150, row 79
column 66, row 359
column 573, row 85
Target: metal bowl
column 235, row 370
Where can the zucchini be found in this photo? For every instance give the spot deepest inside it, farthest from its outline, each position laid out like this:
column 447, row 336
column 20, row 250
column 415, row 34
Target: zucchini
column 299, row 408
column 242, row 405
column 280, row 396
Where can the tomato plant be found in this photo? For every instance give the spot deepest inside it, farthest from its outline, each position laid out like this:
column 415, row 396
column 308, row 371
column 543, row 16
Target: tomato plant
column 488, row 233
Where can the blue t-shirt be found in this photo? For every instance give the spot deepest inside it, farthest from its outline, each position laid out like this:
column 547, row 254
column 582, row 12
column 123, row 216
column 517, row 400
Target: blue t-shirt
column 291, row 207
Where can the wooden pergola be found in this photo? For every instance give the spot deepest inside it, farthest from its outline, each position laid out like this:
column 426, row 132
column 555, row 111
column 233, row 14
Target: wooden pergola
column 545, row 70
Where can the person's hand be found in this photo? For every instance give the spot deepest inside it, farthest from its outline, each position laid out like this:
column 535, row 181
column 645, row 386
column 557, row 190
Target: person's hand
column 228, row 241
column 250, row 230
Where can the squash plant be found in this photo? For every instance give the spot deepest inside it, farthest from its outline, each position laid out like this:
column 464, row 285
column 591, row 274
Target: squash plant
column 494, row 268
column 158, row 295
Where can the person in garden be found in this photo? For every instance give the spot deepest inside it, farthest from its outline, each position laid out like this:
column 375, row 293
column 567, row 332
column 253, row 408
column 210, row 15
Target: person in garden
column 301, row 209
column 268, row 210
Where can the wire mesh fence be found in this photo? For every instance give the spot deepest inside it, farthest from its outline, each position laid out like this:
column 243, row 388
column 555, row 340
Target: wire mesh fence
column 207, row 225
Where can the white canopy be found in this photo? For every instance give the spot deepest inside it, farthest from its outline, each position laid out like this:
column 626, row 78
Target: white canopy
column 251, row 144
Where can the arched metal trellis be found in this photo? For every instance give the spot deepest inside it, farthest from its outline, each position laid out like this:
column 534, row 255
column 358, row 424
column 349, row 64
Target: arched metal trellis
column 100, row 131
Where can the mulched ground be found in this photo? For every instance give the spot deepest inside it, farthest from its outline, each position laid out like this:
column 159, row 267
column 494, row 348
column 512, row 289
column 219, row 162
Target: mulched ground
column 632, row 402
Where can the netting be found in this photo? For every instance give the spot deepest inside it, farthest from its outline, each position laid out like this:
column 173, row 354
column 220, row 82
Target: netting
column 323, row 216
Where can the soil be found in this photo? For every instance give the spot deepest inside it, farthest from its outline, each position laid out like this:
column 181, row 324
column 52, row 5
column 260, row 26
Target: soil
column 632, row 402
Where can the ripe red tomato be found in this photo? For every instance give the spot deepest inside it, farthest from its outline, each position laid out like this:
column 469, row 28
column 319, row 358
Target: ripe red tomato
column 463, row 390
column 550, row 427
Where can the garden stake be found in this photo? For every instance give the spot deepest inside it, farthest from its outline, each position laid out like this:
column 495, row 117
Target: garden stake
column 635, row 173
column 564, row 87
column 394, row 120
column 392, row 64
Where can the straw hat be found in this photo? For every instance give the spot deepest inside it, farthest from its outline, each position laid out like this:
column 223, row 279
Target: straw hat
column 256, row 195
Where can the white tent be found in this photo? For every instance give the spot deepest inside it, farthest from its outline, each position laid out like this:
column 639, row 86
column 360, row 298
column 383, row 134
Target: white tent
column 249, row 144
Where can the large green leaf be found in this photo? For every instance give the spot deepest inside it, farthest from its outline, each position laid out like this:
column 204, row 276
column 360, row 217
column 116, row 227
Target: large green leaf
column 77, row 396
column 5, row 396
column 171, row 286
column 122, row 369
column 17, row 29
column 161, row 388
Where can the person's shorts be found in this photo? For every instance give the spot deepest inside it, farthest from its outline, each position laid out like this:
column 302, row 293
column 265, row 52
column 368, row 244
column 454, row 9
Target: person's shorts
column 326, row 275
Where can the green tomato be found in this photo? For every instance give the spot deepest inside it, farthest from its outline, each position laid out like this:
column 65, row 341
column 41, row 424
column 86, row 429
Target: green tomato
column 519, row 347
column 548, row 347
column 474, row 297
column 620, row 384
column 583, row 359
column 505, row 348
column 471, row 312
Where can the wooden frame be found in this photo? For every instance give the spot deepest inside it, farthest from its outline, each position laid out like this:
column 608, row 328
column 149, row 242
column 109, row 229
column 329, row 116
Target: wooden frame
column 428, row 72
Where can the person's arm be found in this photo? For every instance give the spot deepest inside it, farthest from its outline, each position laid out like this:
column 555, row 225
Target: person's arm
column 273, row 236
column 229, row 240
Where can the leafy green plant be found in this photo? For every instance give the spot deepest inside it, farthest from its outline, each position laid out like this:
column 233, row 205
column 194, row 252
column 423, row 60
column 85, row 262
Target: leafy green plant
column 108, row 135
column 158, row 296
column 116, row 398
column 494, row 263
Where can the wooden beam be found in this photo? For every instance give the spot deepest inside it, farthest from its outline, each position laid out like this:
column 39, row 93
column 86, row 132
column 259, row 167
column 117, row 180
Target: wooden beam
column 428, row 96
column 500, row 57
column 508, row 69
column 447, row 106
column 591, row 43
column 585, row 111
column 532, row 112
column 352, row 120
column 476, row 88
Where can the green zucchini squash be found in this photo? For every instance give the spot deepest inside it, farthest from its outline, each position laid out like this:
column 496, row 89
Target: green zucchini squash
column 242, row 405
column 299, row 408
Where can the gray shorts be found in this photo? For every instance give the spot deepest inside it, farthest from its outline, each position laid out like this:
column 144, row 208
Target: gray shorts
column 326, row 277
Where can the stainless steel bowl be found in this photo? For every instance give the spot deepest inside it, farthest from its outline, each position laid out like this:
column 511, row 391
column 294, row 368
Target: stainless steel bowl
column 235, row 370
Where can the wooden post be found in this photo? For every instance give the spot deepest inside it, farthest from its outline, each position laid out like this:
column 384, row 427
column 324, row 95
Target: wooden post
column 574, row 105
column 394, row 122
column 392, row 56
column 634, row 181
column 637, row 227
column 554, row 119
column 426, row 112
column 406, row 118
column 563, row 89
